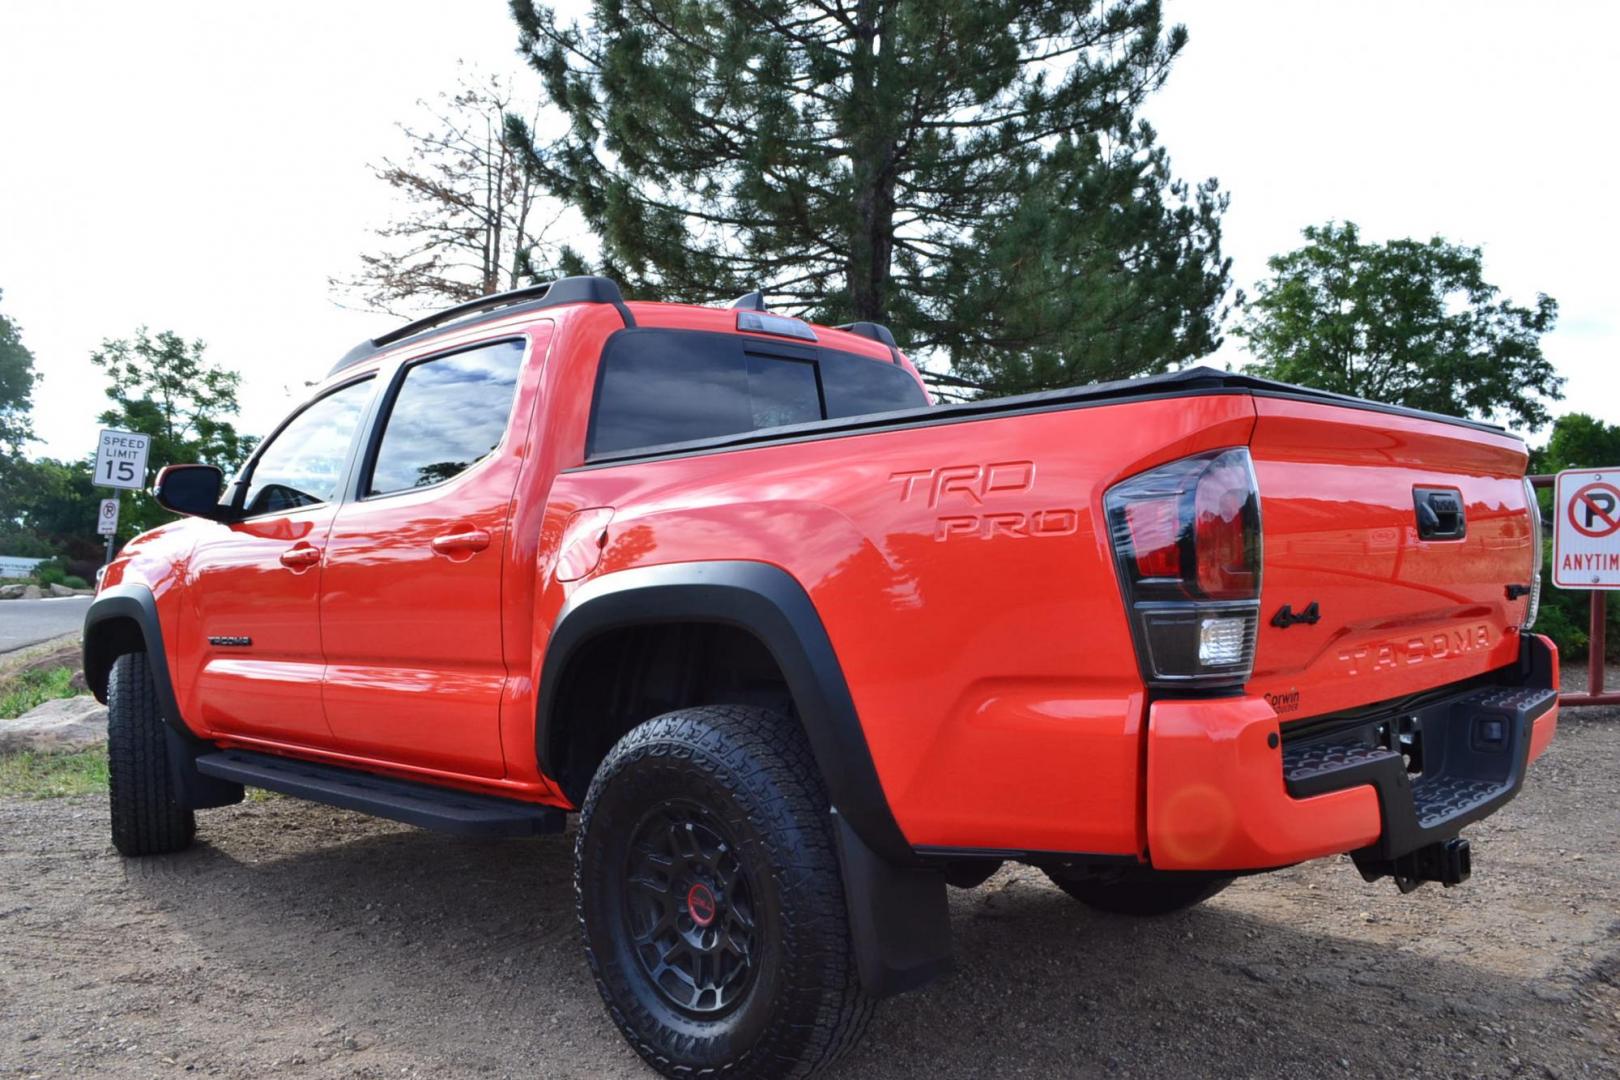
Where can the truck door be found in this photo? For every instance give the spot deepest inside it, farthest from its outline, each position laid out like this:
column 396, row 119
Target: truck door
column 411, row 588
column 257, row 581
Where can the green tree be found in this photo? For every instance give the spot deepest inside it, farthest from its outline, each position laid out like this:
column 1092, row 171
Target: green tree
column 1407, row 322
column 1578, row 441
column 971, row 172
column 51, row 510
column 17, row 378
column 165, row 387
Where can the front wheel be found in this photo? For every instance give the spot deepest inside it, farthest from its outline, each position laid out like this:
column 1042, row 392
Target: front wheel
column 1137, row 891
column 711, row 900
column 145, row 817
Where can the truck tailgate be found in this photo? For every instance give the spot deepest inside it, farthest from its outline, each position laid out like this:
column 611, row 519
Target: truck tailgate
column 1360, row 603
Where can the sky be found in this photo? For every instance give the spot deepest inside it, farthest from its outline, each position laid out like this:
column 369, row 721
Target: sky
column 203, row 167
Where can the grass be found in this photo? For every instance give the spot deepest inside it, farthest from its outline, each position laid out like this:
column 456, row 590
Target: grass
column 32, row 775
column 19, row 693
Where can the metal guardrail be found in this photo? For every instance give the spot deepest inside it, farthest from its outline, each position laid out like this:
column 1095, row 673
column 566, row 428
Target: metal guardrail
column 1596, row 634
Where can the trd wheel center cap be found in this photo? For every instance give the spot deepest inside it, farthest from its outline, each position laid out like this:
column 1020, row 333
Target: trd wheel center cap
column 701, row 904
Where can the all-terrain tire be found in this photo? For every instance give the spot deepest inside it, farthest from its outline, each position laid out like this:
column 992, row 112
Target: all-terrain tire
column 145, row 819
column 1138, row 892
column 718, row 813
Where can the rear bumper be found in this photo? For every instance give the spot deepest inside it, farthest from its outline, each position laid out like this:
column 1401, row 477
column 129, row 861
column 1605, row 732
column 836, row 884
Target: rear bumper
column 1229, row 789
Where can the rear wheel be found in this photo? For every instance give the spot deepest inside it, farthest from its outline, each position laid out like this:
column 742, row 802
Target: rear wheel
column 711, row 901
column 1137, row 891
column 145, row 819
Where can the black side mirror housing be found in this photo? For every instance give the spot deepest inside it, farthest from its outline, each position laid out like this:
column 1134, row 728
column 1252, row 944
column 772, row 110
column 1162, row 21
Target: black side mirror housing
column 193, row 490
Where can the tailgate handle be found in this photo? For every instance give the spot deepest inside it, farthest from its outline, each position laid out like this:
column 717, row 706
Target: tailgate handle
column 1440, row 514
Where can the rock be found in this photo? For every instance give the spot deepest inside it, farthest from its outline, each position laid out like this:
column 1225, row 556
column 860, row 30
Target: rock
column 12, row 592
column 1262, row 973
column 66, row 724
column 61, row 590
column 78, row 683
column 31, row 592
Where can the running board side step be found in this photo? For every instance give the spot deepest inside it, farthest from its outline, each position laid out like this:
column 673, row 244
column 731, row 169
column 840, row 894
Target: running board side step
column 423, row 805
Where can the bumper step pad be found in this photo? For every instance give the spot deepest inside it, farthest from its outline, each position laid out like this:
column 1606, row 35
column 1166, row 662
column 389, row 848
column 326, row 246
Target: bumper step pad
column 424, row 805
column 1436, row 768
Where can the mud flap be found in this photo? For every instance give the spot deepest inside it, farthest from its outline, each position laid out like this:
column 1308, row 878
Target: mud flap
column 899, row 917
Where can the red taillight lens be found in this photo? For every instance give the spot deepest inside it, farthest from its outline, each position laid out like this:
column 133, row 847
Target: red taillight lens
column 1187, row 536
column 1155, row 528
column 1222, row 538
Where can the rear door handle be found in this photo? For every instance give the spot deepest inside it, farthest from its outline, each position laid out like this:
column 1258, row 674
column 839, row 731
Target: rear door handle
column 301, row 557
column 461, row 543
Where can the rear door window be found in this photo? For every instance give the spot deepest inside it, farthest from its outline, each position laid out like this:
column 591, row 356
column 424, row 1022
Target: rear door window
column 658, row 387
column 449, row 413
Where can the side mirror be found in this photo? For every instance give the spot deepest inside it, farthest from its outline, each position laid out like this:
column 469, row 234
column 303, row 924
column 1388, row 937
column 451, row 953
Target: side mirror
column 193, row 490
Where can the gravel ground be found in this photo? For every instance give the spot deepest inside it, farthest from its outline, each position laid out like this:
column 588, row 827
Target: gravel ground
column 305, row 941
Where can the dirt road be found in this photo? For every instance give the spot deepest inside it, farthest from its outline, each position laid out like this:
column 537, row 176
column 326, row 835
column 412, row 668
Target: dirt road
column 304, row 941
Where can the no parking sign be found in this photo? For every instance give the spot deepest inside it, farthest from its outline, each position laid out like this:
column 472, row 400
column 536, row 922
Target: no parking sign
column 1586, row 529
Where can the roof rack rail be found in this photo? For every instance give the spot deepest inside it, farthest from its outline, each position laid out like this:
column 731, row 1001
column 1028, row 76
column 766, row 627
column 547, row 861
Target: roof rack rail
column 754, row 301
column 568, row 290
column 876, row 331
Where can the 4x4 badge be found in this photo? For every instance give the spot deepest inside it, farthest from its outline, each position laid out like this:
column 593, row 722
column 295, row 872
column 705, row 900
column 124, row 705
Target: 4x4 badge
column 1285, row 616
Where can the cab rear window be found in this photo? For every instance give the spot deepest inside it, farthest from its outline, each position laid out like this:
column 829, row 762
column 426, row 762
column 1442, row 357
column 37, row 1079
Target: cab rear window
column 657, row 387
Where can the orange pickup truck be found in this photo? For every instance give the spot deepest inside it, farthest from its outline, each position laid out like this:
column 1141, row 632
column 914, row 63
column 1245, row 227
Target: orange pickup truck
column 802, row 648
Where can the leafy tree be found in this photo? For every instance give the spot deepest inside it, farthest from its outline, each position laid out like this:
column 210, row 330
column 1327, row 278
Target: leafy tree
column 1408, row 322
column 474, row 218
column 971, row 172
column 1578, row 441
column 17, row 379
column 163, row 386
column 51, row 510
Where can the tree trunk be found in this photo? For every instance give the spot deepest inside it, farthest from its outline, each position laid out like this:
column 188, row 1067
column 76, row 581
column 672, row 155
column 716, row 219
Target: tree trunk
column 872, row 147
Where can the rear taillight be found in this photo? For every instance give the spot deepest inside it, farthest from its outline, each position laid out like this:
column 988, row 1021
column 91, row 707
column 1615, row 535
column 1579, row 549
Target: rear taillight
column 1534, row 605
column 1187, row 537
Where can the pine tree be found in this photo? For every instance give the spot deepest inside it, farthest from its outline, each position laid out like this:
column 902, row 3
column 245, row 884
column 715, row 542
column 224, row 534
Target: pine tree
column 971, row 172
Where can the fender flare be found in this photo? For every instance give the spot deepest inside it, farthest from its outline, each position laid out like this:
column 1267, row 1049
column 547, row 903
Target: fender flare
column 770, row 603
column 136, row 604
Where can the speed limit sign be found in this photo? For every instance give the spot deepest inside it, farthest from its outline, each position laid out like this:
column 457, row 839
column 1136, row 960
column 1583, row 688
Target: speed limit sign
column 107, row 520
column 121, row 460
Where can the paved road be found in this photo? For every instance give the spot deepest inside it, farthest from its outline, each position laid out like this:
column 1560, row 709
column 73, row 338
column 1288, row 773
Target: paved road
column 25, row 622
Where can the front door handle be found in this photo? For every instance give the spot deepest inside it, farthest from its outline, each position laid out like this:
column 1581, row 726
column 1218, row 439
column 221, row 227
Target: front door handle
column 461, row 543
column 301, row 557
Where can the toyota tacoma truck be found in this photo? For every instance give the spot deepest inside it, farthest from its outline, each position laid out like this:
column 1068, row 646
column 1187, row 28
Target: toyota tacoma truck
column 802, row 648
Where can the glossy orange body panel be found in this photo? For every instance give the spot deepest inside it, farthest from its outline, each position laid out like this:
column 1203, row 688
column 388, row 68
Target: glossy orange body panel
column 962, row 573
column 1215, row 794
column 1399, row 614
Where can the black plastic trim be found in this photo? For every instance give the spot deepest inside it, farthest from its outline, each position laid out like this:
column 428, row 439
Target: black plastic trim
column 425, row 805
column 767, row 602
column 899, row 916
column 569, row 290
column 1027, row 855
column 1448, row 722
column 874, row 331
column 135, row 603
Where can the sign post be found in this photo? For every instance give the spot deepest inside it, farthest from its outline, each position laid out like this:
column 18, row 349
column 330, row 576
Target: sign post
column 120, row 464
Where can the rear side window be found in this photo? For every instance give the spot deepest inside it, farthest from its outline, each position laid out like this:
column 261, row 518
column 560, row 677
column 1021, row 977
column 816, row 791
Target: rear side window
column 448, row 414
column 673, row 386
column 302, row 463
column 856, row 385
